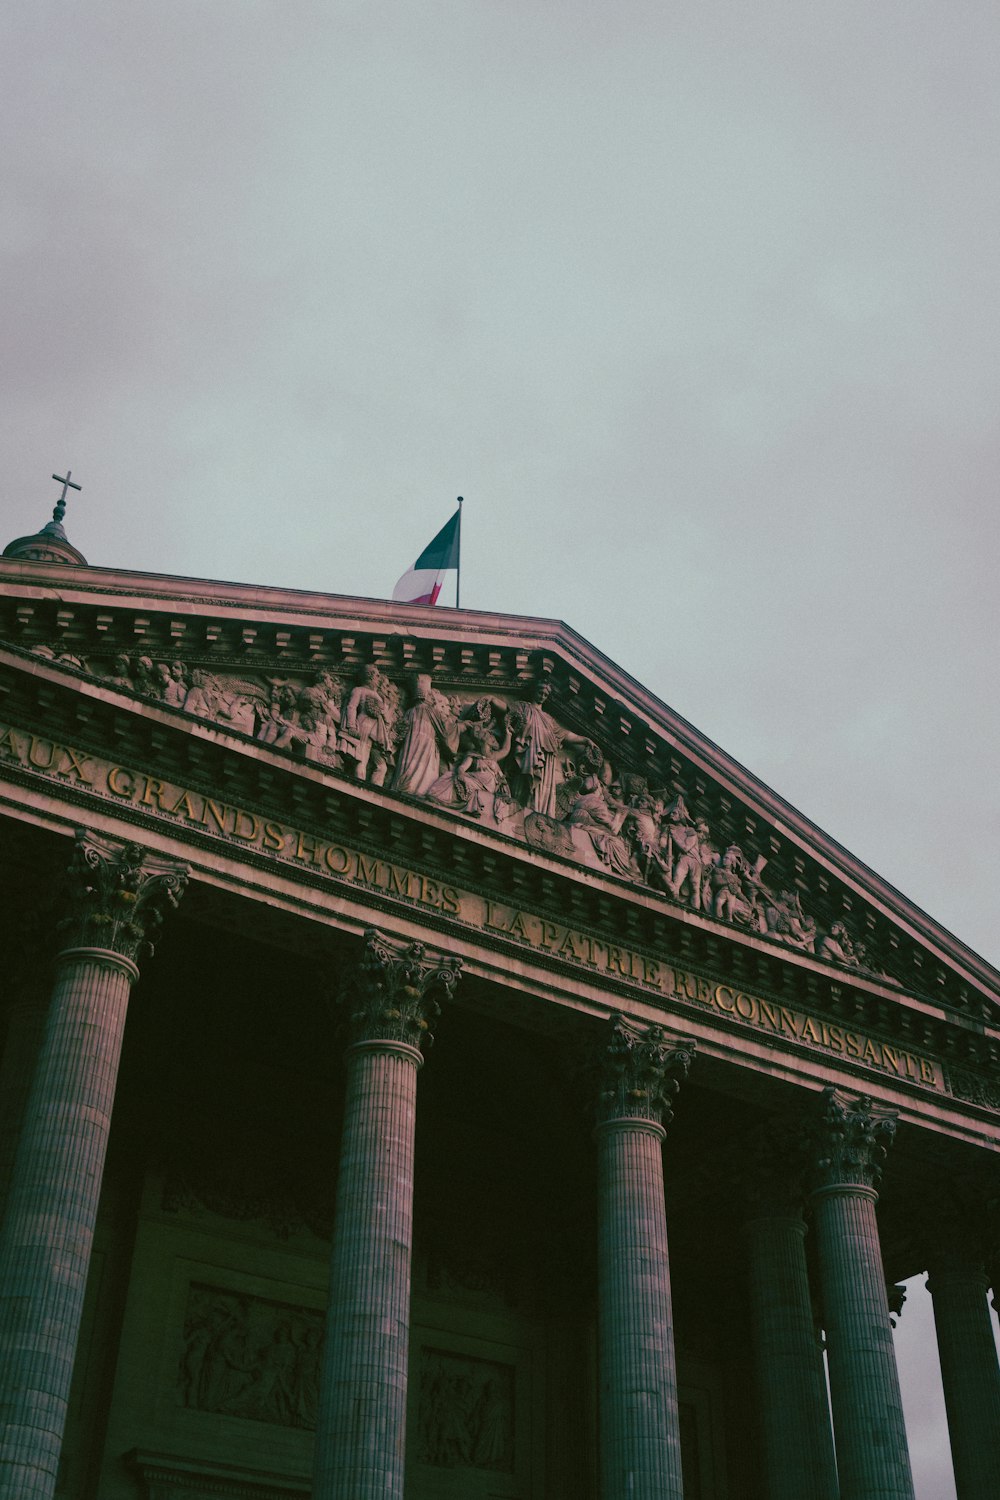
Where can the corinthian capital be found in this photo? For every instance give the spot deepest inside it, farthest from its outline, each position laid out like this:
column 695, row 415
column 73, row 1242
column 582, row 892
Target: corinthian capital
column 852, row 1138
column 642, row 1071
column 394, row 992
column 118, row 895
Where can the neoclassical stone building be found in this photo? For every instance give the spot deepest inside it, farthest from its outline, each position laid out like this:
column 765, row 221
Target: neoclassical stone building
column 511, row 1095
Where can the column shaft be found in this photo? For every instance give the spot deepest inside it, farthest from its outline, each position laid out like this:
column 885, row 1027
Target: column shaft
column 640, row 1430
column 361, row 1432
column 17, row 1068
column 791, row 1386
column 872, row 1454
column 971, row 1378
column 48, row 1229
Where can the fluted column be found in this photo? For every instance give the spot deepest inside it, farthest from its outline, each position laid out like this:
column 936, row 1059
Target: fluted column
column 958, row 1283
column 361, row 1429
column 872, row 1457
column 790, row 1384
column 28, row 964
column 117, row 896
column 639, row 1423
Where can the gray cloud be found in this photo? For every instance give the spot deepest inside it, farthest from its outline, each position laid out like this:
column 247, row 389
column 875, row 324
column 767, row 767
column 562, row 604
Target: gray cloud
column 699, row 311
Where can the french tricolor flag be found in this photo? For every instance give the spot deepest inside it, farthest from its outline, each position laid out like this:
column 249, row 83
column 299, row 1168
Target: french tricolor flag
column 421, row 584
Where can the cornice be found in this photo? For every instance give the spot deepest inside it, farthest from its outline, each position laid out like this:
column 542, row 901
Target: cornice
column 247, row 628
column 49, row 701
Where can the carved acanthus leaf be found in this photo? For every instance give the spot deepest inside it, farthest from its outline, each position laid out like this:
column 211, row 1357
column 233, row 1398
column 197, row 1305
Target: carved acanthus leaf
column 118, row 895
column 394, row 992
column 641, row 1073
column 852, row 1138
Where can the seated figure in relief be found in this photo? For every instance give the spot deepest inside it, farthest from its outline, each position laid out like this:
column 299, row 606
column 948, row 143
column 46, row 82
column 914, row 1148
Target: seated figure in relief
column 837, row 945
column 476, row 784
column 787, row 923
column 729, row 901
column 273, row 716
column 599, row 813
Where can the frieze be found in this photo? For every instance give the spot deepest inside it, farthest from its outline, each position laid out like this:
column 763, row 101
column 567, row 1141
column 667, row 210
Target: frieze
column 973, row 1087
column 506, row 763
column 330, row 860
column 465, row 1414
column 246, row 1356
column 232, row 1190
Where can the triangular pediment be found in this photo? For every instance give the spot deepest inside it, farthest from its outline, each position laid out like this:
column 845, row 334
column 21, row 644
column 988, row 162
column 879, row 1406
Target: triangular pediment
column 514, row 731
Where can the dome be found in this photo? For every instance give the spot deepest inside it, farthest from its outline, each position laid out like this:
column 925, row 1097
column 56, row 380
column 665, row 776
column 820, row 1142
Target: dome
column 51, row 544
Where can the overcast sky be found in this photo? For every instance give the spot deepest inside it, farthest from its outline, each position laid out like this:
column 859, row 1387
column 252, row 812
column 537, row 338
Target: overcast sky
column 696, row 305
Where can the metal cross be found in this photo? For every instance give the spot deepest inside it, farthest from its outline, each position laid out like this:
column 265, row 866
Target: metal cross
column 67, row 484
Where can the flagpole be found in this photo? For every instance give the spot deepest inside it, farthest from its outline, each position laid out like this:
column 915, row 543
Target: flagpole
column 458, row 574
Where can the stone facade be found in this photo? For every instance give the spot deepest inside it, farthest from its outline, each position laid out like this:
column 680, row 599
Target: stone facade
column 508, row 1086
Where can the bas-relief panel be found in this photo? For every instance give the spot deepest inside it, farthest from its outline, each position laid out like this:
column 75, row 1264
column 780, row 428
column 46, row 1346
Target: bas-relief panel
column 505, row 763
column 258, row 1359
column 247, row 1356
column 465, row 1413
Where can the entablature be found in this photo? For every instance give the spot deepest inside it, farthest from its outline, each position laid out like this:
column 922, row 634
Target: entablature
column 620, row 784
column 267, row 806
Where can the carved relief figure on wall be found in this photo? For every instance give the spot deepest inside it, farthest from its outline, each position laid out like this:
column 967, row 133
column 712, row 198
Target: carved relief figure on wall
column 597, row 812
column 366, row 736
column 429, row 731
column 641, row 827
column 466, row 1413
column 476, row 785
column 508, row 764
column 249, row 1357
column 538, row 740
column 787, row 923
column 174, row 684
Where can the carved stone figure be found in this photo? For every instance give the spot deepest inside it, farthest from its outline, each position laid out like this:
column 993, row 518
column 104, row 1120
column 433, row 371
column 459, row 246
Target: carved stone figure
column 60, row 656
column 787, row 923
column 249, row 1357
column 837, row 946
column 196, row 699
column 641, row 827
column 174, row 685
column 728, row 901
column 465, row 1414
column 476, row 785
column 276, row 714
column 366, row 735
column 600, row 816
column 538, row 740
column 429, row 730
column 689, row 853
column 121, row 673
column 144, row 678
column 460, row 757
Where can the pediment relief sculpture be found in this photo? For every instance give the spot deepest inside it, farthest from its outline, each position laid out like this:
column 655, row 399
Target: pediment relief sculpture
column 504, row 762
